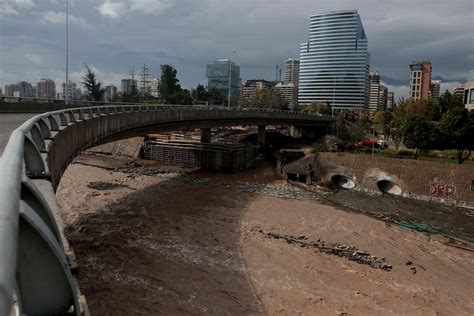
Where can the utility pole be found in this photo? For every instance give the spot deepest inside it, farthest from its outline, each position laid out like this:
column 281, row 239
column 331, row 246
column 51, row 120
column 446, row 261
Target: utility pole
column 143, row 79
column 66, row 87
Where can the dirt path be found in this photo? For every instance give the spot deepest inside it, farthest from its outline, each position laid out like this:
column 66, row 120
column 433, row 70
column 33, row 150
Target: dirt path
column 198, row 244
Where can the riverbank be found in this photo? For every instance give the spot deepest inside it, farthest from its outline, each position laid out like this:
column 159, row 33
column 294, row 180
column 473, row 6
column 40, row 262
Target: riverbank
column 154, row 240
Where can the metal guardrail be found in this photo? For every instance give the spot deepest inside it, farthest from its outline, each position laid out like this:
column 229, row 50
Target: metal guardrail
column 35, row 277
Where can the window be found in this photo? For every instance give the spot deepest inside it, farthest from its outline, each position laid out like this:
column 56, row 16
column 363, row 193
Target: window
column 471, row 96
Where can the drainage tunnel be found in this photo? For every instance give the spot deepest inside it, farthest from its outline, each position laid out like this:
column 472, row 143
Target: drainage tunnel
column 343, row 182
column 389, row 187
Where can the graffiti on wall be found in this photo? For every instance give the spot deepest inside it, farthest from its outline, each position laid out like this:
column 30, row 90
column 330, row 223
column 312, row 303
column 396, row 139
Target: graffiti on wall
column 442, row 190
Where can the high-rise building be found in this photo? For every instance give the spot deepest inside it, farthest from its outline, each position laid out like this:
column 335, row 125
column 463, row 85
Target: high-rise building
column 110, row 92
column 250, row 88
column 9, row 89
column 289, row 92
column 46, row 88
column 1, row 92
column 72, row 91
column 334, row 63
column 383, row 97
column 420, row 79
column 375, row 92
column 127, row 85
column 21, row 89
column 468, row 96
column 220, row 73
column 459, row 90
column 435, row 88
column 390, row 101
column 292, row 71
column 153, row 88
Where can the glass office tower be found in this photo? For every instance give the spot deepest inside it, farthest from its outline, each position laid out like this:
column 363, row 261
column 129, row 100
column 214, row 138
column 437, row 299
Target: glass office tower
column 334, row 63
column 219, row 73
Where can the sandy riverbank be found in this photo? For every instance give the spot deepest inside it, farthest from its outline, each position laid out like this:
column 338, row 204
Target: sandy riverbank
column 197, row 244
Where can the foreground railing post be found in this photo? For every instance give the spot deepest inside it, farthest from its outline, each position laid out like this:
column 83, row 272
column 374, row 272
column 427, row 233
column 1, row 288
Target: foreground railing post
column 10, row 188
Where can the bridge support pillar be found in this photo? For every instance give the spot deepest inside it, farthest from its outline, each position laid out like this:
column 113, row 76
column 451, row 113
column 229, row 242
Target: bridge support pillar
column 261, row 135
column 205, row 135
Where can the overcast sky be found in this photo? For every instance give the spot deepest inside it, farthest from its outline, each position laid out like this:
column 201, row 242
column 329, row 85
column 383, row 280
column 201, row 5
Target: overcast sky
column 113, row 36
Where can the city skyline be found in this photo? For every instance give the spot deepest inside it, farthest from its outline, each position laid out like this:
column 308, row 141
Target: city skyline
column 111, row 40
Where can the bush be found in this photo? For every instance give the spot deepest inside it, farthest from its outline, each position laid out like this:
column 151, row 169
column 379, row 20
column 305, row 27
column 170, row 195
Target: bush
column 405, row 152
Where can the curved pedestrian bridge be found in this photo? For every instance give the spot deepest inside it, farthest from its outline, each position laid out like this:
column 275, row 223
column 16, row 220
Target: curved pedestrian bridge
column 35, row 274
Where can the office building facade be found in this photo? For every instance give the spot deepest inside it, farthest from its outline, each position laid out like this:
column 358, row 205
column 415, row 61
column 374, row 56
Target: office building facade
column 292, row 71
column 468, row 96
column 22, row 89
column 110, row 92
column 390, row 101
column 127, row 85
column 375, row 93
column 72, row 91
column 153, row 88
column 220, row 73
column 289, row 92
column 334, row 63
column 435, row 88
column 250, row 88
column 46, row 88
column 420, row 80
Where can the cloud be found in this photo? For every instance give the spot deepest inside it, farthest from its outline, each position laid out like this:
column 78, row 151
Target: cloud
column 188, row 34
column 54, row 17
column 116, row 8
column 112, row 9
column 34, row 58
column 150, row 6
column 13, row 7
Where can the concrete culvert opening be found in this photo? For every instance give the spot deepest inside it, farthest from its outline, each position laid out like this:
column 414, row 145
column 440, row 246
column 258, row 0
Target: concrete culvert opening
column 343, row 182
column 387, row 186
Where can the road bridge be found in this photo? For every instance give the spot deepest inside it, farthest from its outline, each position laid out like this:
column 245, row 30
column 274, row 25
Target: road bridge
column 35, row 274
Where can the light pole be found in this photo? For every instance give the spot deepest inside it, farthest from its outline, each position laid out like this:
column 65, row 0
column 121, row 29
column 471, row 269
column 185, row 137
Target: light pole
column 67, row 53
column 230, row 82
column 333, row 96
column 230, row 85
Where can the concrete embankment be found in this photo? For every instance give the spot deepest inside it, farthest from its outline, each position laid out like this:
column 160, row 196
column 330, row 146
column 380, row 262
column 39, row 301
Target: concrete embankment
column 425, row 180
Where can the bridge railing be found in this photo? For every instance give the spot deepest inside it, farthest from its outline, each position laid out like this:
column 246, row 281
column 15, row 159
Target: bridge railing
column 34, row 272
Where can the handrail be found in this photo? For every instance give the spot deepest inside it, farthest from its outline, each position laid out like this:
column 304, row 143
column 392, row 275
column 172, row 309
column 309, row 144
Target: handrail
column 28, row 139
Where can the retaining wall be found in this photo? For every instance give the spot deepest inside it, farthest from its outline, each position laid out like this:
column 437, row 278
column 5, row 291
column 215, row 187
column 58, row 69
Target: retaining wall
column 423, row 179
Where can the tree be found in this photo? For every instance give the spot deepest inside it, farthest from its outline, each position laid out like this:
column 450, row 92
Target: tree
column 433, row 110
column 200, row 95
column 457, row 132
column 341, row 130
column 182, row 97
column 315, row 107
column 169, row 84
column 448, row 101
column 216, row 97
column 383, row 120
column 92, row 85
column 419, row 134
column 270, row 98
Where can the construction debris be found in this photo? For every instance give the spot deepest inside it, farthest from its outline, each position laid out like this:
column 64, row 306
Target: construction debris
column 341, row 250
